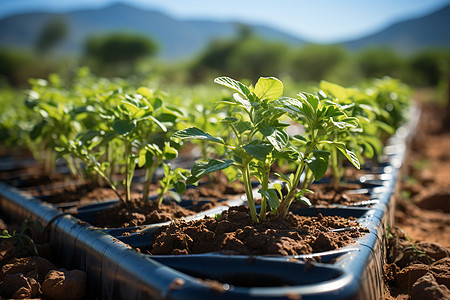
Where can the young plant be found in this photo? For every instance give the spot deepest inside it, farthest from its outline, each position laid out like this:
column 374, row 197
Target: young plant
column 321, row 120
column 22, row 240
column 135, row 130
column 53, row 122
column 364, row 138
column 258, row 137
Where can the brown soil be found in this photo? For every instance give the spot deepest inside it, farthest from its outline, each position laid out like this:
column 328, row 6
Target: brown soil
column 420, row 268
column 234, row 233
column 141, row 213
column 72, row 192
column 26, row 276
column 144, row 213
column 326, row 195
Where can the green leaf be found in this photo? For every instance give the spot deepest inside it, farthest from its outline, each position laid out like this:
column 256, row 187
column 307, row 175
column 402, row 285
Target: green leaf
column 141, row 158
column 290, row 154
column 235, row 85
column 87, row 136
column 147, row 93
column 179, row 187
column 318, row 163
column 160, row 125
column 269, row 88
column 229, row 120
column 169, row 152
column 243, row 126
column 303, row 199
column 283, row 177
column 135, row 111
column 335, row 90
column 352, row 157
column 196, row 133
column 205, row 167
column 279, row 139
column 272, row 197
column 312, row 100
column 242, row 102
column 124, row 127
column 259, row 151
column 332, row 111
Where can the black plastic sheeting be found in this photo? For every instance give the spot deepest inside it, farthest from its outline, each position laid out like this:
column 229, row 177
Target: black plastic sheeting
column 116, row 271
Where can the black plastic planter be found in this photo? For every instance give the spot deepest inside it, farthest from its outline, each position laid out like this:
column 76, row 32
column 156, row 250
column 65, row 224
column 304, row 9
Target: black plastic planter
column 116, row 271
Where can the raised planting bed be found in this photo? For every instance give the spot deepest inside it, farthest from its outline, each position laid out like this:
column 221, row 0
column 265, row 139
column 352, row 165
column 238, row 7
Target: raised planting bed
column 342, row 246
column 117, row 271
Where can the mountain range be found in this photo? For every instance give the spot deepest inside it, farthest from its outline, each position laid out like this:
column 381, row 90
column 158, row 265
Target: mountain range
column 185, row 38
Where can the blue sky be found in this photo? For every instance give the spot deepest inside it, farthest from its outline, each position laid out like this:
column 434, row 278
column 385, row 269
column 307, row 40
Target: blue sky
column 315, row 20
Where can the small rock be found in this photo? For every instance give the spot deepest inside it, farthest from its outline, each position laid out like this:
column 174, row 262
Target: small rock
column 33, row 266
column 63, row 284
column 409, row 275
column 17, row 286
column 426, row 287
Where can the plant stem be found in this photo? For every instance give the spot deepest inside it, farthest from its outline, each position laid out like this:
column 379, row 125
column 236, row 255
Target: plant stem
column 113, row 187
column 265, row 186
column 308, row 177
column 336, row 171
column 286, row 203
column 148, row 180
column 127, row 170
column 249, row 192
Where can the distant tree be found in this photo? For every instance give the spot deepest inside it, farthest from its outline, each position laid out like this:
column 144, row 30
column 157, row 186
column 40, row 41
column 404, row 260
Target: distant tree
column 214, row 59
column 120, row 50
column 379, row 61
column 13, row 66
column 243, row 56
column 255, row 57
column 117, row 47
column 53, row 32
column 428, row 67
column 314, row 62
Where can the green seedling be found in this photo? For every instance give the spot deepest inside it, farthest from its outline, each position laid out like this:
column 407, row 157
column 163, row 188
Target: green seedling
column 22, row 240
column 132, row 132
column 260, row 139
column 322, row 120
column 258, row 136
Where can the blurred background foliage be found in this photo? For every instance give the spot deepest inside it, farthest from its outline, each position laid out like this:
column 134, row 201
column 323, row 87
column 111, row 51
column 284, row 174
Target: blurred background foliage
column 244, row 56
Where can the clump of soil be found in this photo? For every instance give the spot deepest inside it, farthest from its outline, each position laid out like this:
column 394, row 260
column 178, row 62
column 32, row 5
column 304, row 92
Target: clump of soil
column 326, row 195
column 72, row 192
column 217, row 186
column 420, row 268
column 234, row 233
column 23, row 275
column 139, row 213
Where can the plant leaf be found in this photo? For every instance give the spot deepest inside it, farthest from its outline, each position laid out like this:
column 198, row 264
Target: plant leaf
column 235, row 85
column 259, row 151
column 271, row 196
column 124, row 127
column 196, row 133
column 318, row 163
column 352, row 157
column 180, row 187
column 337, row 91
column 205, row 167
column 269, row 88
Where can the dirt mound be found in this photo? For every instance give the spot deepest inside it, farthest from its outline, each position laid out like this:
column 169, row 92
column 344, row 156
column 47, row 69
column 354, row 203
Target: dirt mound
column 234, row 233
